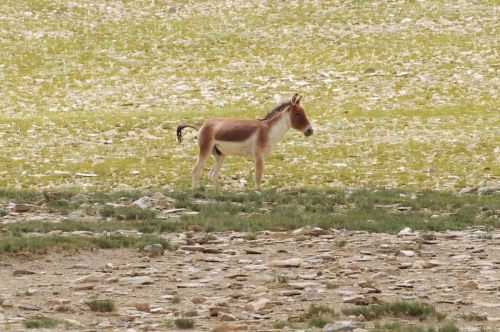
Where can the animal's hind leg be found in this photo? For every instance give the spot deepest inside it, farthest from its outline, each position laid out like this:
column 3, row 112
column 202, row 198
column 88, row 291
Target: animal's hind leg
column 259, row 169
column 219, row 160
column 206, row 146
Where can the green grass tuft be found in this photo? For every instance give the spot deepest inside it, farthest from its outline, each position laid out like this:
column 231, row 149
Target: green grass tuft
column 101, row 305
column 41, row 323
column 184, row 323
column 395, row 309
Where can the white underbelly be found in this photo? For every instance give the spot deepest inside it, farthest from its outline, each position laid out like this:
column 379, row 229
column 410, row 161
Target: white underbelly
column 243, row 148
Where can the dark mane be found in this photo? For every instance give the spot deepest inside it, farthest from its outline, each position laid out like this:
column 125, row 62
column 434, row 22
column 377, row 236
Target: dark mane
column 276, row 110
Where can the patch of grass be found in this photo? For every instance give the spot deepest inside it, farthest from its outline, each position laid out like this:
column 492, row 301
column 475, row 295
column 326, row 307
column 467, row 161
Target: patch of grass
column 329, row 208
column 105, row 305
column 331, row 285
column 184, row 323
column 318, row 315
column 43, row 244
column 340, row 243
column 127, row 213
column 474, row 317
column 395, row 309
column 250, row 236
column 191, row 313
column 285, row 210
column 167, row 324
column 41, row 322
column 319, row 322
column 279, row 324
column 281, row 279
column 398, row 327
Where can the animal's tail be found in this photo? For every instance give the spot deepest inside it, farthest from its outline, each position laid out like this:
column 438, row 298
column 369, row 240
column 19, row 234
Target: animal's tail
column 179, row 131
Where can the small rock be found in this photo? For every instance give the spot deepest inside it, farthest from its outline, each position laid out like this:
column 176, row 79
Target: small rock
column 198, row 300
column 470, row 284
column 21, row 208
column 407, row 231
column 291, row 292
column 227, row 317
column 356, row 299
column 29, row 307
column 253, row 252
column 144, row 307
column 154, row 250
column 292, row 262
column 407, row 253
column 488, row 190
column 136, row 281
column 339, row 326
column 22, row 272
column 145, row 202
column 91, row 278
column 257, row 305
column 431, row 263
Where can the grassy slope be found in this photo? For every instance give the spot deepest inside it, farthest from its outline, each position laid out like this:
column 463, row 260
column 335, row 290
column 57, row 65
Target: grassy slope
column 402, row 94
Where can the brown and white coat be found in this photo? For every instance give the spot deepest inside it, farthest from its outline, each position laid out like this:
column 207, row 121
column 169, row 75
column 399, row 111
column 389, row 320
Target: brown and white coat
column 253, row 138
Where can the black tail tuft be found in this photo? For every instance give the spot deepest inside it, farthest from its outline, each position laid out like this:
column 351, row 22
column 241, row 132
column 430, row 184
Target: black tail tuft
column 179, row 131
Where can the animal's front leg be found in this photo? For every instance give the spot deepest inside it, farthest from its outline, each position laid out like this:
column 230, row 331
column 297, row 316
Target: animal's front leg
column 259, row 169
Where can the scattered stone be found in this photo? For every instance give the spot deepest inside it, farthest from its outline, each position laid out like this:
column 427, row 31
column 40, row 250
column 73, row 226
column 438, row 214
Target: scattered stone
column 258, row 305
column 291, row 292
column 470, row 284
column 339, row 326
column 292, row 262
column 432, row 263
column 227, row 317
column 154, row 250
column 91, row 278
column 137, row 281
column 489, row 189
column 145, row 202
column 29, row 307
column 356, row 299
column 144, row 307
column 22, row 272
column 407, row 253
column 407, row 231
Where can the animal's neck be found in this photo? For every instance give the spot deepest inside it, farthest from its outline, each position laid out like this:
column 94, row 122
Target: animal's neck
column 278, row 127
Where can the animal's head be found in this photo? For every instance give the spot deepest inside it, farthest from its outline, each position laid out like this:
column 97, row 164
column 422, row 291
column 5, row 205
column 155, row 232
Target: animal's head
column 298, row 117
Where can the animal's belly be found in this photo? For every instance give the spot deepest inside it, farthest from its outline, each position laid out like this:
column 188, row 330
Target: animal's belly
column 236, row 148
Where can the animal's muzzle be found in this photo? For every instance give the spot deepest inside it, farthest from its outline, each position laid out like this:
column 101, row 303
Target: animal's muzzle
column 309, row 131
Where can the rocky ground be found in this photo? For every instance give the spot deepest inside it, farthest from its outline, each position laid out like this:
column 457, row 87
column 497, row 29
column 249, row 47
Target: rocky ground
column 230, row 281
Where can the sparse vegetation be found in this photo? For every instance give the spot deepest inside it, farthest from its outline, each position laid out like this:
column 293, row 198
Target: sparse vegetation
column 395, row 309
column 318, row 315
column 105, row 305
column 42, row 244
column 398, row 327
column 41, row 322
column 184, row 323
column 285, row 210
column 279, row 324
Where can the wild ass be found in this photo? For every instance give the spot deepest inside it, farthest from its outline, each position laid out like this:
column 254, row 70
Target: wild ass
column 254, row 138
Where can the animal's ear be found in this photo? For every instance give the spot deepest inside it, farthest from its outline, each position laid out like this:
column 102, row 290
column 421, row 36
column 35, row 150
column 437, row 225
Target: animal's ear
column 297, row 101
column 294, row 99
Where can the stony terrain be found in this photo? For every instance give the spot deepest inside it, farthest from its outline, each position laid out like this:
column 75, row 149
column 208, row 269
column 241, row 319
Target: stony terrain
column 251, row 284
